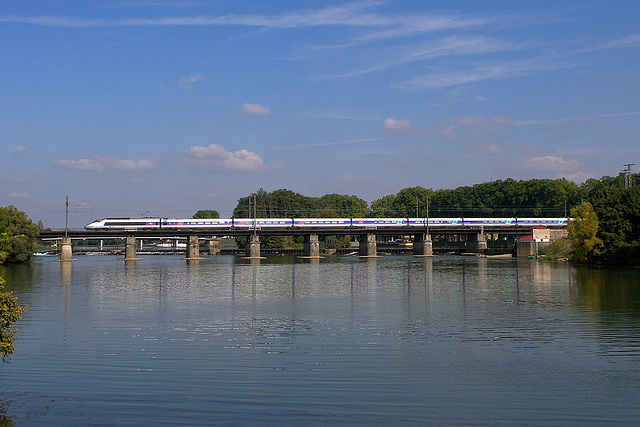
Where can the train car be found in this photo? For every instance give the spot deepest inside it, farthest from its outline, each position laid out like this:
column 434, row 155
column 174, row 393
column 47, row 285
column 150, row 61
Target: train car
column 546, row 222
column 322, row 222
column 262, row 222
column 379, row 222
column 438, row 222
column 124, row 224
column 274, row 222
column 196, row 223
column 488, row 222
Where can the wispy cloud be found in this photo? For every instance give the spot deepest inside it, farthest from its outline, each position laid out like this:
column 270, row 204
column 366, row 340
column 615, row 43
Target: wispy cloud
column 327, row 144
column 186, row 83
column 15, row 180
column 632, row 40
column 445, row 47
column 500, row 71
column 481, row 121
column 354, row 14
column 576, row 119
column 99, row 164
column 255, row 110
column 350, row 14
column 451, row 128
column 403, row 127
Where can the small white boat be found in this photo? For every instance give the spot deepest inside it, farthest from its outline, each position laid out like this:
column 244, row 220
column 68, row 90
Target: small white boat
column 43, row 253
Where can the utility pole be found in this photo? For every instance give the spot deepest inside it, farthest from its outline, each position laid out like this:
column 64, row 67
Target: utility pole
column 66, row 217
column 254, row 215
column 627, row 175
column 427, row 221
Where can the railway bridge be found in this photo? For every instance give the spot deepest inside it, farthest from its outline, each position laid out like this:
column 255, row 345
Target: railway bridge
column 473, row 237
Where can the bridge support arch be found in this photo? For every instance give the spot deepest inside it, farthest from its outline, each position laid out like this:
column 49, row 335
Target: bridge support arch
column 367, row 246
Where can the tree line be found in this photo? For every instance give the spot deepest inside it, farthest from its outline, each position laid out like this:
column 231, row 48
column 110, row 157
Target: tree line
column 607, row 210
column 508, row 198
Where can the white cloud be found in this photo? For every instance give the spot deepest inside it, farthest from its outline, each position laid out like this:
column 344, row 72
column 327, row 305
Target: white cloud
column 215, row 158
column 393, row 125
column 186, row 83
column 552, row 164
column 255, row 110
column 98, row 164
column 16, row 149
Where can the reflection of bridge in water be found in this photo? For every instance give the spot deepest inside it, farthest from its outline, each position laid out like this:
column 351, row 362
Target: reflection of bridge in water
column 500, row 239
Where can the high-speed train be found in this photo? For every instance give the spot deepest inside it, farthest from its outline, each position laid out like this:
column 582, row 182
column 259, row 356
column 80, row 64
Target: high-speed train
column 250, row 223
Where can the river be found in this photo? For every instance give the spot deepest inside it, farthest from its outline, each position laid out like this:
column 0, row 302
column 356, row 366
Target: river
column 341, row 340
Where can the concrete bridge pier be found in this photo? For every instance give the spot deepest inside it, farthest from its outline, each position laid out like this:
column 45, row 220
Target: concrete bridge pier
column 311, row 246
column 193, row 248
column 422, row 245
column 367, row 246
column 214, row 247
column 478, row 244
column 252, row 250
column 66, row 251
column 130, row 249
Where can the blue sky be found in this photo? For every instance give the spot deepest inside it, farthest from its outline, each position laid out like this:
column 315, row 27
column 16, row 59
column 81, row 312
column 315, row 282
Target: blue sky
column 165, row 107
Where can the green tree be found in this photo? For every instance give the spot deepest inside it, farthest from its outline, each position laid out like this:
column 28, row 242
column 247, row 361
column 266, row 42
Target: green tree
column 205, row 214
column 288, row 204
column 509, row 198
column 384, row 207
column 10, row 312
column 618, row 210
column 344, row 206
column 583, row 232
column 17, row 235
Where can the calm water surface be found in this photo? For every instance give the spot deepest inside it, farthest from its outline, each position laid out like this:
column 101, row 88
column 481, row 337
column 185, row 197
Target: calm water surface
column 391, row 340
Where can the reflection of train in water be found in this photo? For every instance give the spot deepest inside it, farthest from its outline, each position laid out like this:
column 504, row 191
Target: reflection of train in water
column 249, row 223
